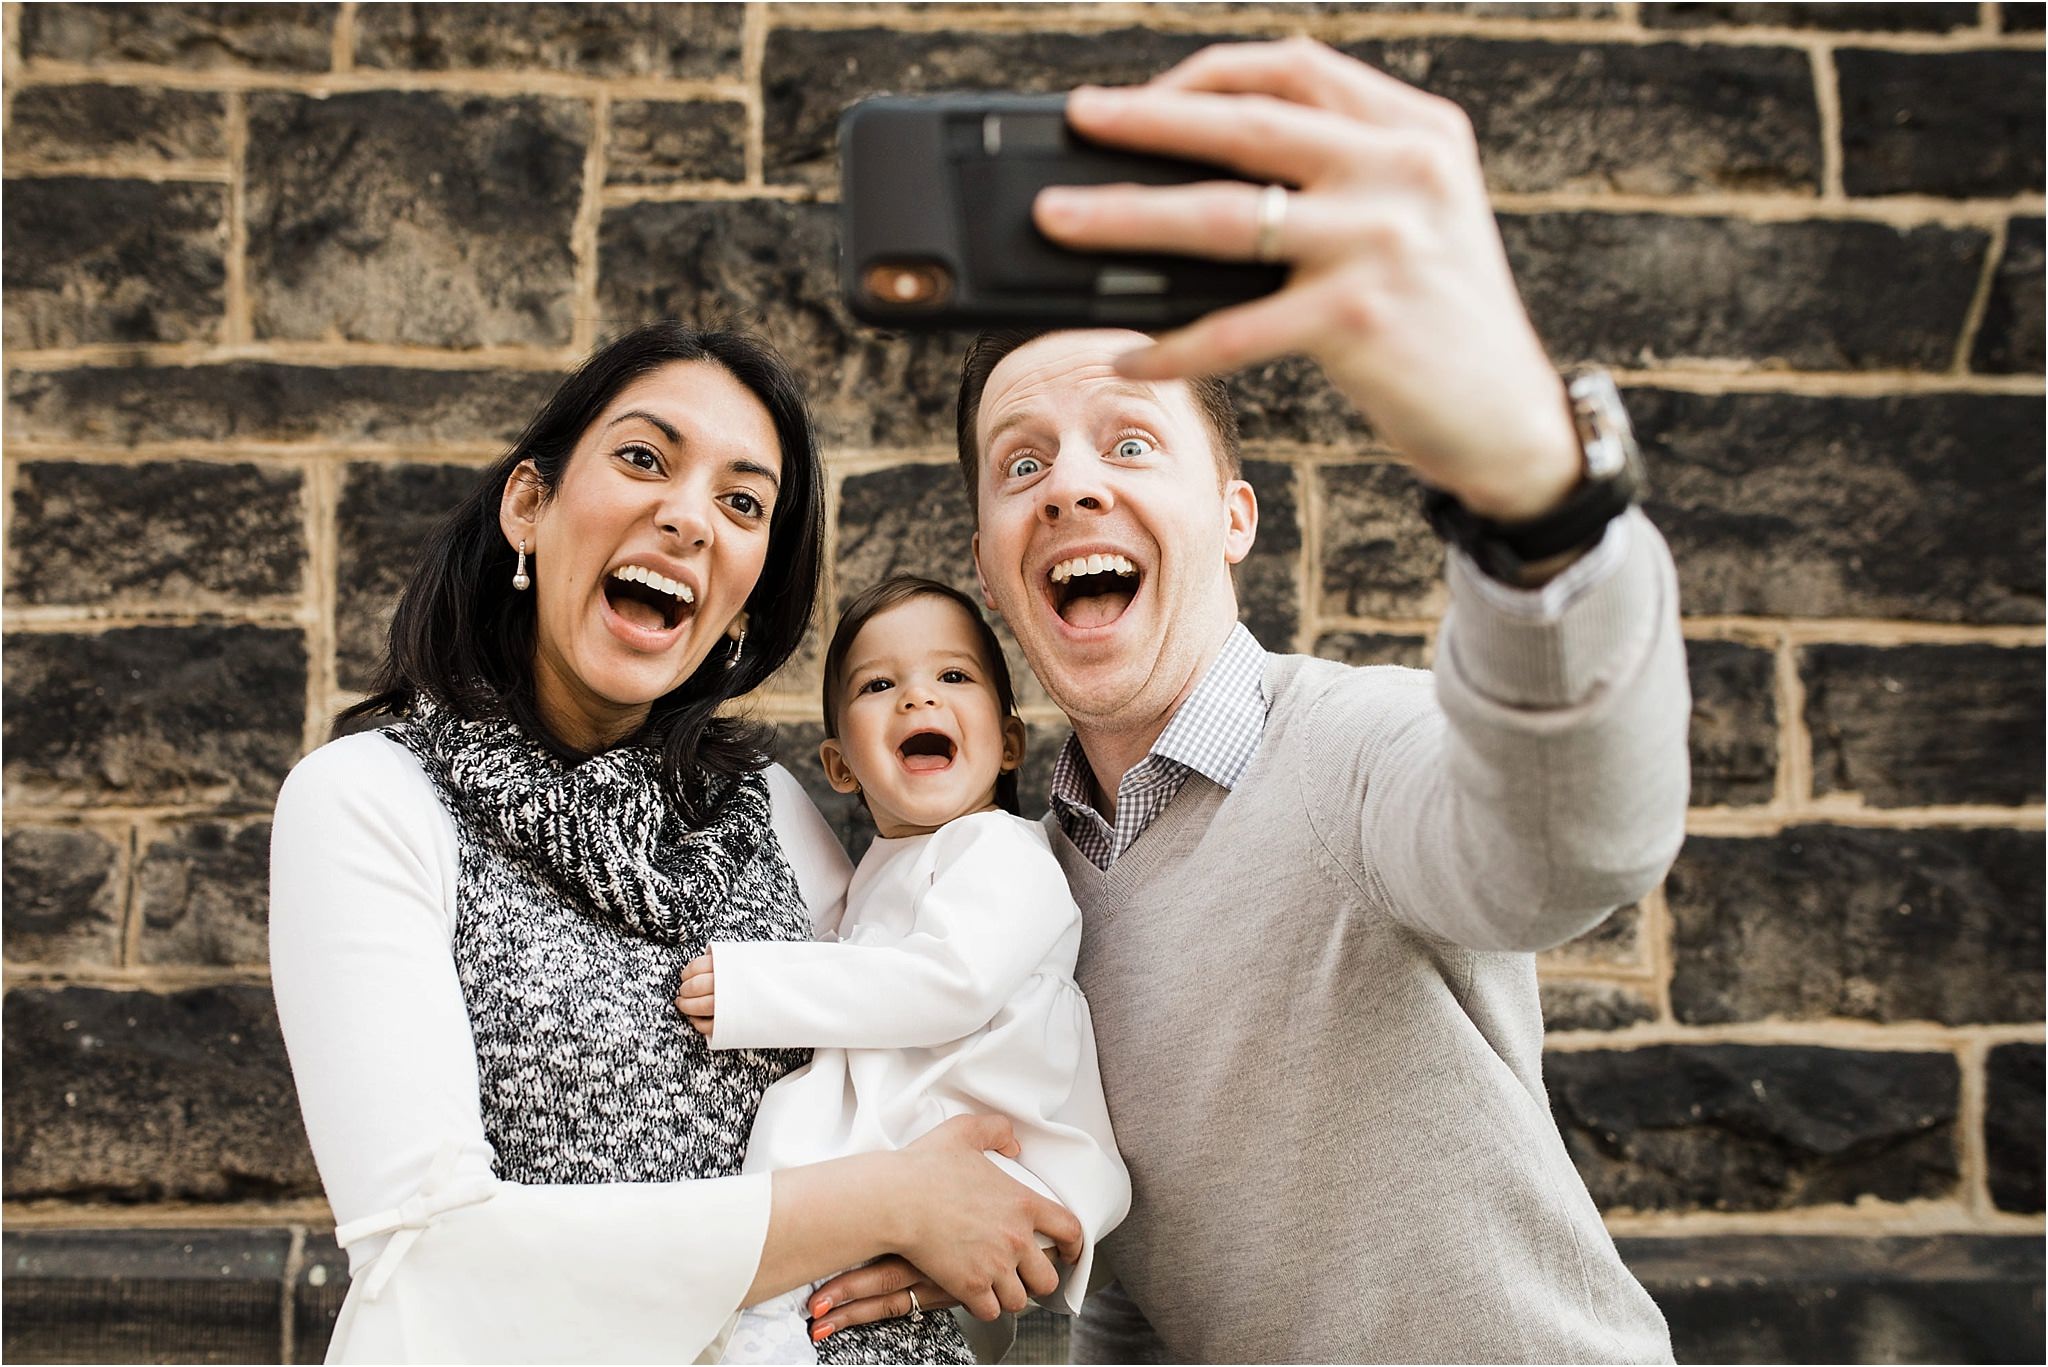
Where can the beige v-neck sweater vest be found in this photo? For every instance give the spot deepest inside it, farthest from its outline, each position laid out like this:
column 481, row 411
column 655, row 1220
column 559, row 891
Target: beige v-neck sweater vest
column 1317, row 1014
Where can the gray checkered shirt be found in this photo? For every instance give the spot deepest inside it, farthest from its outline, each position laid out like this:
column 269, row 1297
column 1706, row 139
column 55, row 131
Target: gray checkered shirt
column 1215, row 734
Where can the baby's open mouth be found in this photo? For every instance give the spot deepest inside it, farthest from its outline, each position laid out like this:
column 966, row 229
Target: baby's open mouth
column 926, row 751
column 648, row 600
column 1093, row 590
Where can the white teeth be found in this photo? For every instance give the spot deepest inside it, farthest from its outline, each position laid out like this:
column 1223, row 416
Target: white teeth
column 640, row 574
column 1091, row 564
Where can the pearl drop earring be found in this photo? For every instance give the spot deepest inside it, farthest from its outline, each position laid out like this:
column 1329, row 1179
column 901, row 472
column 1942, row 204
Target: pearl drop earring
column 520, row 579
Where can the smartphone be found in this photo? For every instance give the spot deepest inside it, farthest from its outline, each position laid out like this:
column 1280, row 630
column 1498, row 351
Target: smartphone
column 935, row 223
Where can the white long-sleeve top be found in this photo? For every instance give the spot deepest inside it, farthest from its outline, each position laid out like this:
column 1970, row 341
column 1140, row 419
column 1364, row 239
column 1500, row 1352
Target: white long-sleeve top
column 950, row 991
column 447, row 1263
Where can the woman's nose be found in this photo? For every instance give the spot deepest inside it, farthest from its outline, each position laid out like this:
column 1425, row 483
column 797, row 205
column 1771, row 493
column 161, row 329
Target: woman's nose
column 686, row 518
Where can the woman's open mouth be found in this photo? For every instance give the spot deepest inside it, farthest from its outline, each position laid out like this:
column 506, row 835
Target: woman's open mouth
column 647, row 600
column 927, row 752
column 1093, row 590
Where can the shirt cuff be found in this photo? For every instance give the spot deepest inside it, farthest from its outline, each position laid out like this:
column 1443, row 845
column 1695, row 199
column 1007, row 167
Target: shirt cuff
column 1556, row 645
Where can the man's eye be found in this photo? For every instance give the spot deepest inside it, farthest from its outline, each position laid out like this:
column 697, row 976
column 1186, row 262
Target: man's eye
column 1025, row 466
column 1131, row 448
column 875, row 686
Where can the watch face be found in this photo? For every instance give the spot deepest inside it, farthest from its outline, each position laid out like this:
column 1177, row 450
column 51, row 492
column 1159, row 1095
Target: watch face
column 1604, row 431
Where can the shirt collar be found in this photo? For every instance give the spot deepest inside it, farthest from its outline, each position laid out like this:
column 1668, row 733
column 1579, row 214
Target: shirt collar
column 1215, row 732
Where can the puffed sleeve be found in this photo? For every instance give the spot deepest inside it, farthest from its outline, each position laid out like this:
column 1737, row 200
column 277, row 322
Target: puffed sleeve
column 448, row 1263
column 976, row 940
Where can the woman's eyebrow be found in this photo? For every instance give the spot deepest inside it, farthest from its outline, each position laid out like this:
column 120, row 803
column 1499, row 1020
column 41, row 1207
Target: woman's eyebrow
column 754, row 467
column 664, row 428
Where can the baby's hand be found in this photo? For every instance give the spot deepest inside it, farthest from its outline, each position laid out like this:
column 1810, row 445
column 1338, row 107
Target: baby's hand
column 694, row 998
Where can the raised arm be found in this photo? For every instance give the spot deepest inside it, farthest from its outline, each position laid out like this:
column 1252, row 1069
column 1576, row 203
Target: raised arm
column 452, row 1264
column 988, row 921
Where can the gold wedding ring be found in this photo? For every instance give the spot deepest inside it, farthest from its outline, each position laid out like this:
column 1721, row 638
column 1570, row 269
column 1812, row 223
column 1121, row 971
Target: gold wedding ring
column 1272, row 213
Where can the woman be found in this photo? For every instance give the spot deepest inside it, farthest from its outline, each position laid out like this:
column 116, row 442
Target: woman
column 479, row 912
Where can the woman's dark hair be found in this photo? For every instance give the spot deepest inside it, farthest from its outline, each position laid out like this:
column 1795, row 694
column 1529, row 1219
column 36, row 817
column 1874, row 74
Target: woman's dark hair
column 901, row 588
column 463, row 636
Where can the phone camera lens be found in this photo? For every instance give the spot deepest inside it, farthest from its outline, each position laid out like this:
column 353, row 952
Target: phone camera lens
column 910, row 285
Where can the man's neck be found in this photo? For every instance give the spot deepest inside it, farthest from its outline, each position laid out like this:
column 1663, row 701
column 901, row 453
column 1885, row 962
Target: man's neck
column 1115, row 747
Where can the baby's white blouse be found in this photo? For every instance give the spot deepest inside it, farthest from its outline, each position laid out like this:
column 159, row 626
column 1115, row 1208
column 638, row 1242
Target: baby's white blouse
column 447, row 1263
column 951, row 991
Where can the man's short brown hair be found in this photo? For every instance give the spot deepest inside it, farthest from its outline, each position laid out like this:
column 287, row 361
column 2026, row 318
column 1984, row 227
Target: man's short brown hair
column 987, row 351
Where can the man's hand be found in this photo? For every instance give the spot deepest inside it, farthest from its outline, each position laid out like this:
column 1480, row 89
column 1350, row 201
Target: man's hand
column 694, row 997
column 1399, row 286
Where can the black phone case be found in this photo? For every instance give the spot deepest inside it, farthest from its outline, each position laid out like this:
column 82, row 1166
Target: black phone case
column 942, row 186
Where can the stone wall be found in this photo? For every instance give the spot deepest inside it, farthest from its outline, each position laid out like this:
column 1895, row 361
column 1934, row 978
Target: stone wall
column 280, row 277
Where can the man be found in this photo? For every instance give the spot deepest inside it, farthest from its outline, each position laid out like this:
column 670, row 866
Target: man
column 1313, row 892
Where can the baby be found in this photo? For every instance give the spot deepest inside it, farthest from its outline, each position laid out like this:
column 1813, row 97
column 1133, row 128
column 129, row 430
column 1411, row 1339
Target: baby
column 951, row 987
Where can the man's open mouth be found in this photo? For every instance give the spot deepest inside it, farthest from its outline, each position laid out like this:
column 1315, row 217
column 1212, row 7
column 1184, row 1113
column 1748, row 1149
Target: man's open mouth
column 1093, row 590
column 926, row 752
column 648, row 600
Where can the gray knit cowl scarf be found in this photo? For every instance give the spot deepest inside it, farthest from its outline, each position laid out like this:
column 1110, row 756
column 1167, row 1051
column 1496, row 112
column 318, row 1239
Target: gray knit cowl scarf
column 583, row 892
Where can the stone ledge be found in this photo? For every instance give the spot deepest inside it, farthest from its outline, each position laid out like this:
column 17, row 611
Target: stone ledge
column 204, row 1295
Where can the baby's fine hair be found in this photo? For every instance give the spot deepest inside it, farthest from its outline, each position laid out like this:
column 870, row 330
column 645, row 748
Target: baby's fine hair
column 901, row 588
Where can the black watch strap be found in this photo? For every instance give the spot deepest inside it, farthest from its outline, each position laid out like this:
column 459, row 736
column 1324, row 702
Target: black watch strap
column 1611, row 482
column 1503, row 550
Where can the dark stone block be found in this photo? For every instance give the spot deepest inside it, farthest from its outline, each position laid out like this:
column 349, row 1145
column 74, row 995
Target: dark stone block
column 2012, row 1126
column 1380, row 559
column 1917, row 725
column 79, row 122
column 145, row 1295
column 868, row 388
column 1878, row 925
column 1924, row 506
column 113, row 261
column 1616, row 943
column 155, row 535
column 203, row 893
column 64, row 889
column 2009, row 338
column 1741, row 1127
column 656, row 142
column 1940, row 123
column 1734, row 736
column 808, row 77
column 1290, row 400
column 1374, row 648
column 416, row 217
column 383, row 519
column 261, row 37
column 1653, row 119
column 1643, row 289
column 1867, row 17
column 146, row 1096
column 1268, row 580
column 255, row 401
column 688, row 41
column 210, row 714
column 1775, row 1298
column 1594, row 1004
column 914, row 519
